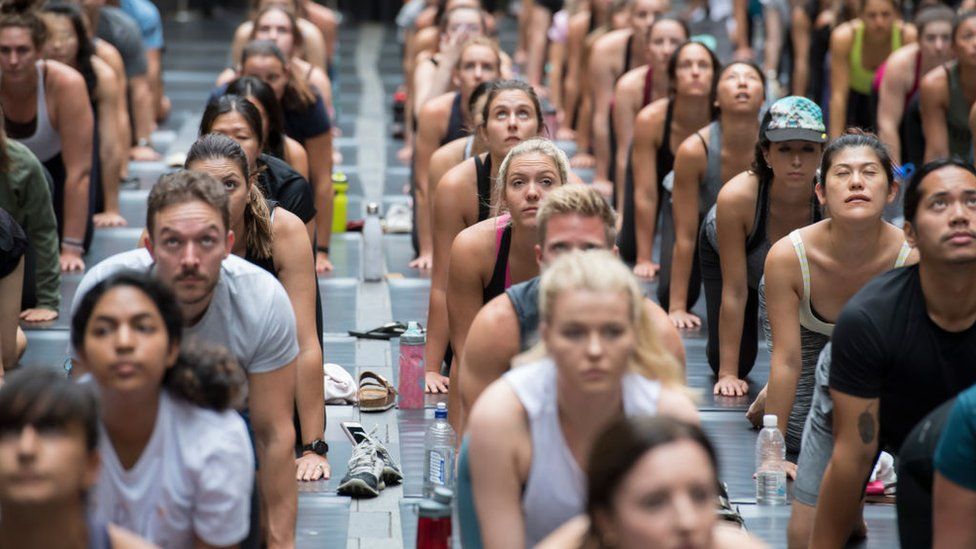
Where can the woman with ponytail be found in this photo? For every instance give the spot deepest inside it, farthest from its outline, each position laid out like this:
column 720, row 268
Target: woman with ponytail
column 275, row 240
column 177, row 463
column 239, row 119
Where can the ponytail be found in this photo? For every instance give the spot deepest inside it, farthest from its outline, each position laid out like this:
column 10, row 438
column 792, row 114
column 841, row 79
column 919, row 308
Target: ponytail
column 258, row 231
column 207, row 376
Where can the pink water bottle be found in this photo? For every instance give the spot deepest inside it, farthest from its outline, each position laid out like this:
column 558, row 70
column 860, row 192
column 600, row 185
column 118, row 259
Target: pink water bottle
column 411, row 387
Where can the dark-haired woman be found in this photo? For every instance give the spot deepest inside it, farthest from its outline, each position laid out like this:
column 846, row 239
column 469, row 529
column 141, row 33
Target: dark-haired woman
column 947, row 95
column 275, row 240
column 703, row 163
column 274, row 140
column 177, row 464
column 238, row 118
column 307, row 121
column 510, row 115
column 46, row 107
column 809, row 277
column 68, row 43
column 652, row 482
column 658, row 459
column 857, row 48
column 753, row 210
column 659, row 130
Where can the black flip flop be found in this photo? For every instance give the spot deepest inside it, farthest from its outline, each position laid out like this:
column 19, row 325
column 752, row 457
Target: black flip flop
column 384, row 332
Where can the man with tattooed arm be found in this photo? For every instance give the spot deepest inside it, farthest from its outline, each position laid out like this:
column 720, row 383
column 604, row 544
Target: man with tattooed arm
column 904, row 344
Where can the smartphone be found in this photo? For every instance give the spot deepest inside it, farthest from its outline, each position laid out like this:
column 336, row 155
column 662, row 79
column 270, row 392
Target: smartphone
column 354, row 431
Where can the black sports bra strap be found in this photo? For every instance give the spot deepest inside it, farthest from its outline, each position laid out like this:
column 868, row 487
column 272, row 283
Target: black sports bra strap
column 483, row 171
column 758, row 234
column 496, row 285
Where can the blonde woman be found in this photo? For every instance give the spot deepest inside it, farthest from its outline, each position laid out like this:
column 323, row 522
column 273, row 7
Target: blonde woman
column 602, row 362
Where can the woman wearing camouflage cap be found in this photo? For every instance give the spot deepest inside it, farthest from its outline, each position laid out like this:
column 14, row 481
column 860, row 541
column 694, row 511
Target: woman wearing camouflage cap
column 753, row 210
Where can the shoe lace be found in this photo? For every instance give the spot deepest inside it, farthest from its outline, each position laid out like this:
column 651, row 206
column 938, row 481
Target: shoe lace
column 363, row 456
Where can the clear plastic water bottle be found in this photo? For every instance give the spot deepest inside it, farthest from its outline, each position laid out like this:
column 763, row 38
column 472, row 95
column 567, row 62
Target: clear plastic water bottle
column 372, row 244
column 411, row 368
column 439, row 444
column 770, row 462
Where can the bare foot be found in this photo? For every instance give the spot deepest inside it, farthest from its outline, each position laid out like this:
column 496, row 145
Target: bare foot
column 582, row 160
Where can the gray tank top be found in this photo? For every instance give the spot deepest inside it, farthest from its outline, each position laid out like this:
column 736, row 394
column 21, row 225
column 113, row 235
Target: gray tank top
column 712, row 183
column 525, row 300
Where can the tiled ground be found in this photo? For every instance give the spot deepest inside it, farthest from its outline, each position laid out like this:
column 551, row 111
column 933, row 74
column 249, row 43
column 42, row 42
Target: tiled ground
column 367, row 76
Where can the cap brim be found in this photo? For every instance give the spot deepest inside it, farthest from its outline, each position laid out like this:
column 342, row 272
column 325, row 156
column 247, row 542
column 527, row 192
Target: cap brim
column 796, row 134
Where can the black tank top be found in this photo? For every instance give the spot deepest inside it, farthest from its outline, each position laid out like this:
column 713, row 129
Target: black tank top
column 483, row 169
column 665, row 158
column 455, row 124
column 267, row 263
column 496, row 286
column 627, row 54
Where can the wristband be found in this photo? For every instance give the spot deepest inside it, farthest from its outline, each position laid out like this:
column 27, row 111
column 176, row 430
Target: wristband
column 73, row 247
column 144, row 142
column 323, row 249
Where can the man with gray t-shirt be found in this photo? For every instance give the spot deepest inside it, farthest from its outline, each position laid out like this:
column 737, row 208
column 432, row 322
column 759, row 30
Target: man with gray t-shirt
column 225, row 300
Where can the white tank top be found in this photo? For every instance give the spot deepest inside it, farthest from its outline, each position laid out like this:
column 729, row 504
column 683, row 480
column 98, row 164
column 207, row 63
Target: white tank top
column 556, row 488
column 809, row 319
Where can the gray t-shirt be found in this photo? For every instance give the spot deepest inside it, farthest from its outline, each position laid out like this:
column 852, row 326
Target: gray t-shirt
column 249, row 314
column 120, row 30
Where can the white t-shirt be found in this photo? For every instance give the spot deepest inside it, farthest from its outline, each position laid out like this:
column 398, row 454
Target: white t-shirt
column 249, row 314
column 194, row 478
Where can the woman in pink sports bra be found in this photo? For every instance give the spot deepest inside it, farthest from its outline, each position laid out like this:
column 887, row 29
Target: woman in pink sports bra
column 491, row 255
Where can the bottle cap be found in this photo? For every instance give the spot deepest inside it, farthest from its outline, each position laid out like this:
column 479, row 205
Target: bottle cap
column 339, row 177
column 414, row 335
column 441, row 411
column 433, row 509
column 769, row 420
column 372, row 208
column 442, row 495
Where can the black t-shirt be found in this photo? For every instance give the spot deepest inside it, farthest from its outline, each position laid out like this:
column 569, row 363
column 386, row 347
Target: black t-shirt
column 885, row 346
column 307, row 123
column 281, row 183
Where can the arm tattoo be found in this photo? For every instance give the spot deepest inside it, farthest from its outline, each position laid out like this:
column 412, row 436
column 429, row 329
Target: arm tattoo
column 865, row 426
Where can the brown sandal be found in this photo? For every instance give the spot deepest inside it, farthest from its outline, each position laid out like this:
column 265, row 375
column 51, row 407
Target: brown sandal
column 376, row 394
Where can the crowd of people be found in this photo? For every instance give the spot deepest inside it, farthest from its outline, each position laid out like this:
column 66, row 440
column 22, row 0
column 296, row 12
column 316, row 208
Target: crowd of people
column 818, row 190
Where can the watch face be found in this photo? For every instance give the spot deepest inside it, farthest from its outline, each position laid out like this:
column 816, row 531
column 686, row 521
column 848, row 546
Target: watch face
column 320, row 447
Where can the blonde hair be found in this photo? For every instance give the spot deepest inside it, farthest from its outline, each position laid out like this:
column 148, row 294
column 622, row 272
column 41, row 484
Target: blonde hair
column 601, row 271
column 480, row 40
column 581, row 200
column 534, row 145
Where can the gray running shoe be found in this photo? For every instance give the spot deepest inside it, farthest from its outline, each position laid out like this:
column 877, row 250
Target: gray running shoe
column 391, row 471
column 365, row 475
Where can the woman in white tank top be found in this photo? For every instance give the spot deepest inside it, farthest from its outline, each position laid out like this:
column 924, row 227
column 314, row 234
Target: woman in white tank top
column 812, row 272
column 531, row 432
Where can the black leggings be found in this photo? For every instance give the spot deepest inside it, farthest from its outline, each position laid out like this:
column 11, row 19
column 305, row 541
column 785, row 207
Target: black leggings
column 667, row 251
column 915, row 473
column 711, row 274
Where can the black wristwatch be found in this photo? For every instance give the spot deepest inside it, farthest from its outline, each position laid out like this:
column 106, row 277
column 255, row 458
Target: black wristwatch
column 319, row 446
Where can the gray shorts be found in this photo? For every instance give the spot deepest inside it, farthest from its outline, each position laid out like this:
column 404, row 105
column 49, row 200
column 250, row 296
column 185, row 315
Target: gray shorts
column 817, row 443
